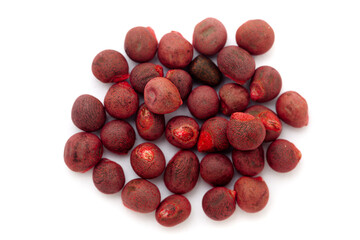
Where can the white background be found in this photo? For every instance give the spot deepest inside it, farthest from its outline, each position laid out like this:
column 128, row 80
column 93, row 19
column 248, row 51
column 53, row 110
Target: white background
column 46, row 51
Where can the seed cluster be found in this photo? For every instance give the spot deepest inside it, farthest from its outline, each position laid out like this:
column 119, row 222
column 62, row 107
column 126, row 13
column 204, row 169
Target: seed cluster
column 240, row 127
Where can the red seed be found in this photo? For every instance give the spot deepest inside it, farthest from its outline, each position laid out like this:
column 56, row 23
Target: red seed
column 161, row 96
column 249, row 163
column 108, row 176
column 182, row 172
column 110, row 66
column 147, row 160
column 203, row 102
column 265, row 85
column 173, row 210
column 216, row 169
column 82, row 151
column 121, row 101
column 182, row 132
column 219, row 203
column 88, row 113
column 118, row 136
column 150, row 126
column 252, row 194
column 213, row 135
column 283, row 156
column 209, row 36
column 292, row 108
column 245, row 132
column 141, row 195
column 236, row 63
column 174, row 50
column 140, row 44
column 255, row 36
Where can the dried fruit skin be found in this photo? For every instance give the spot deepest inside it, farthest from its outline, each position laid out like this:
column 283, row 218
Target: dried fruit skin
column 82, row 151
column 140, row 44
column 182, row 132
column 110, row 66
column 161, row 96
column 150, row 126
column 209, row 36
column 219, row 203
column 108, row 176
column 88, row 113
column 174, row 50
column 216, row 169
column 265, row 85
column 270, row 120
column 203, row 102
column 143, row 73
column 182, row 172
column 236, row 63
column 182, row 80
column 147, row 160
column 213, row 135
column 205, row 71
column 118, row 136
column 252, row 194
column 249, row 163
column 282, row 155
column 121, row 101
column 141, row 195
column 173, row 210
column 292, row 108
column 255, row 36
column 245, row 132
column 233, row 98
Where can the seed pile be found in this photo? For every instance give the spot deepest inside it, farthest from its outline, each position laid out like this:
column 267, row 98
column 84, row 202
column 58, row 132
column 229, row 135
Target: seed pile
column 241, row 127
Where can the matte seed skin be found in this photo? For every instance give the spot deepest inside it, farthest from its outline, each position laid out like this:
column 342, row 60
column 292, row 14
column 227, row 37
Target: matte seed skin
column 88, row 113
column 82, row 151
column 209, row 36
column 204, row 70
column 173, row 210
column 292, row 108
column 141, row 195
column 110, row 66
column 182, row 172
column 213, row 135
column 265, row 85
column 121, row 101
column 147, row 160
column 216, row 169
column 203, row 102
column 252, row 194
column 140, row 44
column 108, row 176
column 219, row 203
column 245, row 132
column 150, row 126
column 175, row 51
column 236, row 63
column 283, row 156
column 118, row 136
column 256, row 36
column 249, row 163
